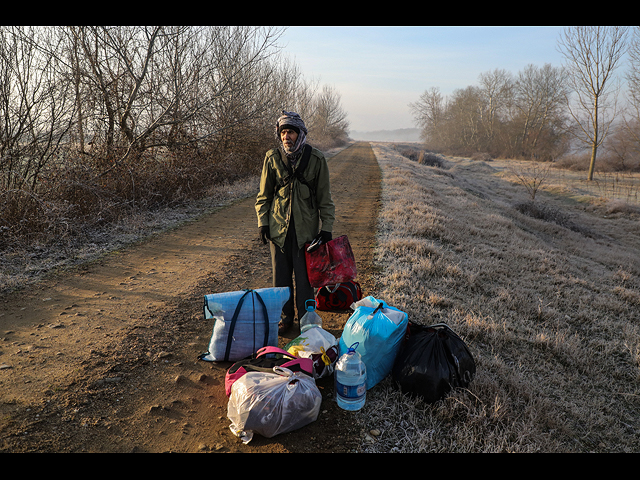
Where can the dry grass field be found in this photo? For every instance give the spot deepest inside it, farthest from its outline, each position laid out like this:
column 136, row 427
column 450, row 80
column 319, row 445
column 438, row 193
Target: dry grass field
column 550, row 308
column 612, row 188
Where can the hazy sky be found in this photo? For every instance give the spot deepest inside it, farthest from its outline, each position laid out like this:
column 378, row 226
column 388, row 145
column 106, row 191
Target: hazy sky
column 378, row 71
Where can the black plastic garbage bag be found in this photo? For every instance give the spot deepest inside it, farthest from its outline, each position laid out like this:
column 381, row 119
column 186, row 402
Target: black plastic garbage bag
column 433, row 361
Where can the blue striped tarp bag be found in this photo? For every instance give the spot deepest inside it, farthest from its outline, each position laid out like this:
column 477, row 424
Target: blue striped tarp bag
column 244, row 322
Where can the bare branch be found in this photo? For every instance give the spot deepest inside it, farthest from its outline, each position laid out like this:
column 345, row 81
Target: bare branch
column 593, row 53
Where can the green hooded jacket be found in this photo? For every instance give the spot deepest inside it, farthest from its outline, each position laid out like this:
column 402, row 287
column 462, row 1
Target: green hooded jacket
column 275, row 204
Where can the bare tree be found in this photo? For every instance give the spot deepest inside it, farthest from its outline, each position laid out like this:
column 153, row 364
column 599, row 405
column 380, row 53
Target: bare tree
column 428, row 113
column 328, row 120
column 242, row 79
column 538, row 108
column 136, row 116
column 294, row 92
column 34, row 111
column 463, row 128
column 632, row 123
column 495, row 89
column 593, row 53
column 153, row 84
column 520, row 116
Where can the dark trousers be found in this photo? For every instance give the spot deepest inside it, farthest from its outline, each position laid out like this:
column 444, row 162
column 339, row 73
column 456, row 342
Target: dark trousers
column 286, row 264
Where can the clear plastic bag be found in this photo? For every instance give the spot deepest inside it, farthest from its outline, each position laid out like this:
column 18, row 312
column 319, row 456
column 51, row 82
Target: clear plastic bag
column 272, row 403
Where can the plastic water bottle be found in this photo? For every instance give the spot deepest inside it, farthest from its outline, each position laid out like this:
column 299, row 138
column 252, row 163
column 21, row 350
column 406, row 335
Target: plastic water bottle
column 350, row 375
column 310, row 318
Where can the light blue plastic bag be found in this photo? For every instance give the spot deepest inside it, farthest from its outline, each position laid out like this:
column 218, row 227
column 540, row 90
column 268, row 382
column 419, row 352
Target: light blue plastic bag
column 244, row 322
column 379, row 329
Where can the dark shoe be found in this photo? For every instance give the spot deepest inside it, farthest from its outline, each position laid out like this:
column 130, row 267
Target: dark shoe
column 285, row 325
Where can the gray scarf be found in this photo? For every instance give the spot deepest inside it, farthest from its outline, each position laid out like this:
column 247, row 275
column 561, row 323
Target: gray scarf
column 292, row 119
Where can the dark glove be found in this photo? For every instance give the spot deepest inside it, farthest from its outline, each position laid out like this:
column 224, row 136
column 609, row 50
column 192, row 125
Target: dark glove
column 322, row 237
column 265, row 234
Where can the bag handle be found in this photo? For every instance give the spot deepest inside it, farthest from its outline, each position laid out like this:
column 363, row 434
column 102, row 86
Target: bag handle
column 350, row 285
column 235, row 318
column 440, row 326
column 336, row 287
column 269, row 349
column 379, row 308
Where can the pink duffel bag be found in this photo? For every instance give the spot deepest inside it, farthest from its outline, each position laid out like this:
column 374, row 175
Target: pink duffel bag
column 260, row 362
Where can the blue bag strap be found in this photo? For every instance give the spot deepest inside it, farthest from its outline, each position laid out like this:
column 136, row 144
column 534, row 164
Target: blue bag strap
column 265, row 314
column 232, row 326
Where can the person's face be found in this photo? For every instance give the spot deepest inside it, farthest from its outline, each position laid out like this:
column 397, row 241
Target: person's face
column 288, row 137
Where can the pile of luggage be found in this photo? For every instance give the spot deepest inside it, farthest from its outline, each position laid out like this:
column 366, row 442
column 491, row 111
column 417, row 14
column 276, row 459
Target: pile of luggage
column 273, row 390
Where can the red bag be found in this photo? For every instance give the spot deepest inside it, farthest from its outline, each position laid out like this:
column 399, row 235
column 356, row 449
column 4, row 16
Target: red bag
column 338, row 297
column 261, row 363
column 331, row 263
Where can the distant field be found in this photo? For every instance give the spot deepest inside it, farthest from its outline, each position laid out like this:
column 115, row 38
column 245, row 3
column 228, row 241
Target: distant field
column 624, row 186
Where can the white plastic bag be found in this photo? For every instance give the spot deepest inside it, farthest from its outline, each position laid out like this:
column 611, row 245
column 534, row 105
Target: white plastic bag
column 318, row 345
column 272, row 403
column 312, row 340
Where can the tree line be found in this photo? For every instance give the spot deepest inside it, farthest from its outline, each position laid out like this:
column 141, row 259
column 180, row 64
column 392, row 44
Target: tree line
column 545, row 113
column 98, row 120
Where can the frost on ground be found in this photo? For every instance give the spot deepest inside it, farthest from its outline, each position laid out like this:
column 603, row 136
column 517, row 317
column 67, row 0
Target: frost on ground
column 21, row 266
column 549, row 313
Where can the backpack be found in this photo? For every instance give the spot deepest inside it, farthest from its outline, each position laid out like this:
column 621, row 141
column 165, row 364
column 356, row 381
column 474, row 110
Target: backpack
column 304, row 161
column 339, row 296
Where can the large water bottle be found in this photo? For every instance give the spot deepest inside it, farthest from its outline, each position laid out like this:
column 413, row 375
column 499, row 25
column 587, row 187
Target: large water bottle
column 350, row 375
column 310, row 318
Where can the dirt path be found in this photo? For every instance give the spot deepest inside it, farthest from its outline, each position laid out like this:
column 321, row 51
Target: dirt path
column 105, row 359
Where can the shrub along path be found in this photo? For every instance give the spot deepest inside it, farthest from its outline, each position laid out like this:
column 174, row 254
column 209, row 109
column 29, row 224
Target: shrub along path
column 104, row 358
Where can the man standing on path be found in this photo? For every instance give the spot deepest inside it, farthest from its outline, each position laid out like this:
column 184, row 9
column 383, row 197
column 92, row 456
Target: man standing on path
column 294, row 207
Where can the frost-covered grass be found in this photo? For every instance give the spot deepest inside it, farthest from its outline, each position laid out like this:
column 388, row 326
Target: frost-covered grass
column 550, row 313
